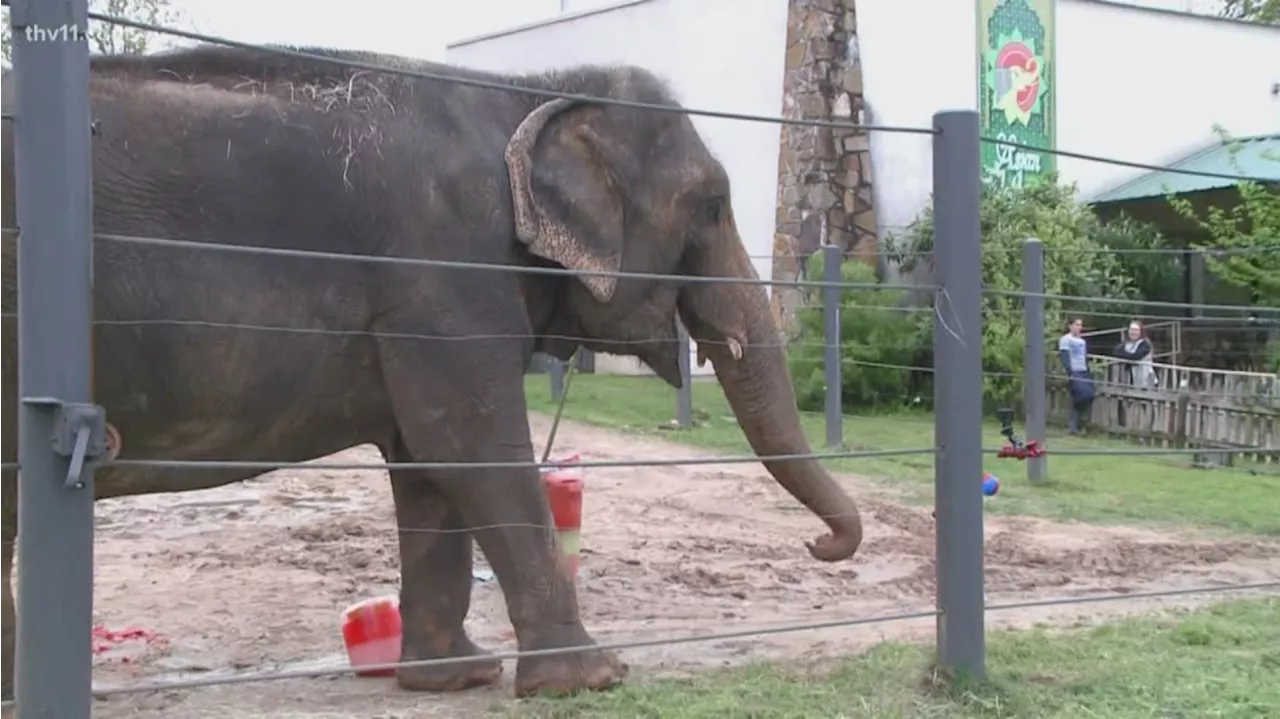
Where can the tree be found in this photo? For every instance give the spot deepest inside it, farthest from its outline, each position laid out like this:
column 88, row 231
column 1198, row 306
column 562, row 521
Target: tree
column 1248, row 231
column 881, row 339
column 107, row 38
column 1263, row 11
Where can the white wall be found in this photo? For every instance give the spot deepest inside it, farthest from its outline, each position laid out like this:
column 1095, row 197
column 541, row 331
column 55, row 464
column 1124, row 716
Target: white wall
column 1202, row 7
column 479, row 17
column 717, row 54
column 576, row 5
column 917, row 58
column 1134, row 83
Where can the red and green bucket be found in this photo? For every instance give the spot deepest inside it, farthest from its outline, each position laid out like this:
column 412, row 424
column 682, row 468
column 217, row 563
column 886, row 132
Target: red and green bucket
column 562, row 482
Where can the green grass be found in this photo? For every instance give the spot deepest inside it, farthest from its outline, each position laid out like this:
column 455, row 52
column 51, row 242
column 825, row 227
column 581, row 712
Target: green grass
column 1102, row 489
column 1222, row 661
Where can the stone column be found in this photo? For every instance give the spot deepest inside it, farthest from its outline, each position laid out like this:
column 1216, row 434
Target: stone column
column 824, row 173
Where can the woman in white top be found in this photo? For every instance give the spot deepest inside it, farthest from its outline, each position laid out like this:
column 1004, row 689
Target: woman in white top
column 1136, row 349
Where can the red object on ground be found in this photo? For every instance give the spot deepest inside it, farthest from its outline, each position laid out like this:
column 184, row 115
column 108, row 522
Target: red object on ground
column 104, row 640
column 1030, row 449
column 563, row 484
column 372, row 631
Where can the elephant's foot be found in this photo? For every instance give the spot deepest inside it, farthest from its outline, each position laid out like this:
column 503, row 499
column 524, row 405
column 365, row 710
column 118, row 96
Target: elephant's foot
column 560, row 674
column 448, row 677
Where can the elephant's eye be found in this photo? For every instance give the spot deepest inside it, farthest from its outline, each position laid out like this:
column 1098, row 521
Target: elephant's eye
column 712, row 211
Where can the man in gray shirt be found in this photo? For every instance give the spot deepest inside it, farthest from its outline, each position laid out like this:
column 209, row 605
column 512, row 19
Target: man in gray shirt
column 1072, row 353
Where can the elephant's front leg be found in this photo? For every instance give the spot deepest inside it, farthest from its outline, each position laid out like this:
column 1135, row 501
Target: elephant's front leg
column 471, row 408
column 435, row 586
column 509, row 516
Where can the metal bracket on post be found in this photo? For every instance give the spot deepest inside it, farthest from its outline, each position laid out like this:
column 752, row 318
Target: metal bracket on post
column 79, row 433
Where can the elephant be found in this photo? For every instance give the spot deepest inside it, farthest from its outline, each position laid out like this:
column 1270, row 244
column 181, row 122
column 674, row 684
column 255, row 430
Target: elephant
column 250, row 147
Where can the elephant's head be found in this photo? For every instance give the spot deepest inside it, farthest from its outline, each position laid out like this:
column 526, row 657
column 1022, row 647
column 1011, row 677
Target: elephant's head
column 607, row 188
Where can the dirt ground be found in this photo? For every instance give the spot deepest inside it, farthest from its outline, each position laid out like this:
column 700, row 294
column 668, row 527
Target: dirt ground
column 255, row 575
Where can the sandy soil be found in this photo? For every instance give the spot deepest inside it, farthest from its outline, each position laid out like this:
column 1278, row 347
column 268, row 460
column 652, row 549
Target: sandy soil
column 256, row 574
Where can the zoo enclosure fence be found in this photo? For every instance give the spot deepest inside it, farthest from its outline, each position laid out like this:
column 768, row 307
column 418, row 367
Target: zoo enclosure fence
column 62, row 439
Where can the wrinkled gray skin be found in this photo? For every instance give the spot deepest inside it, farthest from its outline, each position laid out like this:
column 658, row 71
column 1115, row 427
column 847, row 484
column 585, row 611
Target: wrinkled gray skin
column 228, row 146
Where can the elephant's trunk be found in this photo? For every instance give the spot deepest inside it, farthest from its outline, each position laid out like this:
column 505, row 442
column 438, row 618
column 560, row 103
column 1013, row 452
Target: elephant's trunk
column 755, row 380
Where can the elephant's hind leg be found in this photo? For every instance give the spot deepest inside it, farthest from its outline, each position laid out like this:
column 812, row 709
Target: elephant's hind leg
column 435, row 594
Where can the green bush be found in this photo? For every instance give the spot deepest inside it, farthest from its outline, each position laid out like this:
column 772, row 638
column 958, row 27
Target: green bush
column 1156, row 276
column 881, row 339
column 879, row 335
column 1076, row 263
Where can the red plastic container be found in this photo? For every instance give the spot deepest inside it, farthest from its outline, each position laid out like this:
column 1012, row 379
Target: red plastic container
column 563, row 485
column 372, row 631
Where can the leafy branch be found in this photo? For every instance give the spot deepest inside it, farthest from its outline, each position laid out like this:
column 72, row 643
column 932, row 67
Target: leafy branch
column 1252, row 225
column 1266, row 12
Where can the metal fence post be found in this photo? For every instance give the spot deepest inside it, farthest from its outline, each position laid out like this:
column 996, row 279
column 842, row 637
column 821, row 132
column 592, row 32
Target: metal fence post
column 1034, row 384
column 52, row 167
column 832, row 262
column 555, row 373
column 957, row 347
column 684, row 395
column 1196, row 269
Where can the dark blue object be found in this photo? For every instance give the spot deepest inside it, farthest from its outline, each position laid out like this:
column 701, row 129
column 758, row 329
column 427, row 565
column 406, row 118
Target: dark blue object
column 990, row 485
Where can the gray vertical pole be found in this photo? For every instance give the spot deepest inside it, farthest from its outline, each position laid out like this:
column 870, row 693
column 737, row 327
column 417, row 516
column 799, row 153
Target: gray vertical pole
column 832, row 261
column 684, row 396
column 555, row 373
column 55, row 498
column 1198, row 273
column 957, row 347
column 1034, row 386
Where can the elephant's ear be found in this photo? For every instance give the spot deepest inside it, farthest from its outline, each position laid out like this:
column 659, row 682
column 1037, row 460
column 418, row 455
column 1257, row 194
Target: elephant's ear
column 568, row 205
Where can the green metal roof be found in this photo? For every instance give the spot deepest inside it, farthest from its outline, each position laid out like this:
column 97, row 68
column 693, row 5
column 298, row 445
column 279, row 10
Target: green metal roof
column 1259, row 156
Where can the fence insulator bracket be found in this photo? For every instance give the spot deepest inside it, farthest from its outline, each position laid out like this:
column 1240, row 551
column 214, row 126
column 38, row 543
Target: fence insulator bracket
column 79, row 433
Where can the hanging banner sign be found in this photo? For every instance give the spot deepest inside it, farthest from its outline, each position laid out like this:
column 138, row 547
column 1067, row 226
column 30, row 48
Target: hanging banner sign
column 1016, row 96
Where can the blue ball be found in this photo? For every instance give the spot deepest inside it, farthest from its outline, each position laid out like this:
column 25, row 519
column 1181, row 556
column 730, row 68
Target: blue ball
column 990, row 485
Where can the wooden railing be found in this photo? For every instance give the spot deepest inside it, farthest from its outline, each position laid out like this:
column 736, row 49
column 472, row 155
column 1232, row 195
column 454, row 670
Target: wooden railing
column 1185, row 407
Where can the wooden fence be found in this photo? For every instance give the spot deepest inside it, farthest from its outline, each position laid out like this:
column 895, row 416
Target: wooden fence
column 1186, row 407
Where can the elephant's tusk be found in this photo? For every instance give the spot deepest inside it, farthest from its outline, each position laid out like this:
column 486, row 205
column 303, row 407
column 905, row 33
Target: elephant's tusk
column 735, row 348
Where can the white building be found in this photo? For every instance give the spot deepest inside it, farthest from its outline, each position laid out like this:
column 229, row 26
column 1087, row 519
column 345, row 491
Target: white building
column 1141, row 81
column 1137, row 83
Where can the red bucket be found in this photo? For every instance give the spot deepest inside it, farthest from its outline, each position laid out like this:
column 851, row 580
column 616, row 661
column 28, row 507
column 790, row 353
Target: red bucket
column 372, row 631
column 562, row 483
